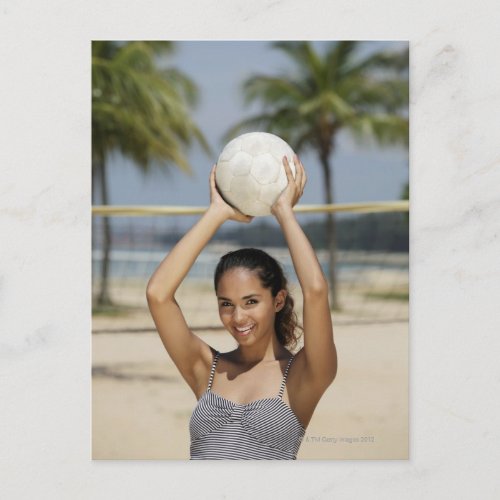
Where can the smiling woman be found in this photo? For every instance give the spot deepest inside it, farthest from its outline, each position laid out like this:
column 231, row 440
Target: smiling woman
column 263, row 396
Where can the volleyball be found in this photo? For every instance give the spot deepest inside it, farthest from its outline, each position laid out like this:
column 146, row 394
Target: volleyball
column 250, row 174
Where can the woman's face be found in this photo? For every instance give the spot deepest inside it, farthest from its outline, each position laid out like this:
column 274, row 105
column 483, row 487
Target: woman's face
column 247, row 309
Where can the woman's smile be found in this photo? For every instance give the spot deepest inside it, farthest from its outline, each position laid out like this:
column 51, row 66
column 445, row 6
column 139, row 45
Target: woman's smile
column 245, row 330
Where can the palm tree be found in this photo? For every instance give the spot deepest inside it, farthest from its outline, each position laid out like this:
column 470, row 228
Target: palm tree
column 140, row 110
column 367, row 96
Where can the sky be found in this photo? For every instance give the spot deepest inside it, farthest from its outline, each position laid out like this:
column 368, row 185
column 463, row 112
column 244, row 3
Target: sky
column 360, row 174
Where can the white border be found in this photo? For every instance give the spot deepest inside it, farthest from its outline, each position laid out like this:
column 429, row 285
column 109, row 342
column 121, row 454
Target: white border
column 45, row 248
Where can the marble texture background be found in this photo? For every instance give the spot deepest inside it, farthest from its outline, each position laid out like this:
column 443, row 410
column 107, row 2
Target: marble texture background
column 45, row 248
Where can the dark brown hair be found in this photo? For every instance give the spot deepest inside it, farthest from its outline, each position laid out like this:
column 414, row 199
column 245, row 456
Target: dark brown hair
column 272, row 277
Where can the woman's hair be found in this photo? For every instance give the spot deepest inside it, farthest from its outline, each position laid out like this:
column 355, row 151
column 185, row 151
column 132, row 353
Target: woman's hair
column 271, row 276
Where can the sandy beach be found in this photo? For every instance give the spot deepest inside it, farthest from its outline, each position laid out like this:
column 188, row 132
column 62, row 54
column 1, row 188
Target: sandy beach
column 141, row 405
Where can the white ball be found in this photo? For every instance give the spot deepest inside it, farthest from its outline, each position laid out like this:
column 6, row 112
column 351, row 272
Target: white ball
column 250, row 174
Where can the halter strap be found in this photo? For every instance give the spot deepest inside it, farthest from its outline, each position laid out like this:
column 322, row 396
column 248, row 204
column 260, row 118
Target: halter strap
column 212, row 371
column 283, row 383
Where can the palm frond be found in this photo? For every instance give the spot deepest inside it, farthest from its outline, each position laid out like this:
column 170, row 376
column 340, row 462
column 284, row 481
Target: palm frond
column 385, row 129
column 338, row 57
column 296, row 50
column 385, row 61
column 327, row 103
column 329, row 93
column 139, row 109
column 270, row 90
column 135, row 137
column 183, row 84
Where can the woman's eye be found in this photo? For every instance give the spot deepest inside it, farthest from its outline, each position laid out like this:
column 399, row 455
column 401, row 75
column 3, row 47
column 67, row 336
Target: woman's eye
column 228, row 304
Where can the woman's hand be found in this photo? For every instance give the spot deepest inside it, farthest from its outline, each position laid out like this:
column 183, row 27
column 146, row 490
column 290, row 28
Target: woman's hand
column 295, row 188
column 218, row 204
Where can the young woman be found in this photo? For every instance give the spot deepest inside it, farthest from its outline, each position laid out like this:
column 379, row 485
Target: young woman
column 253, row 402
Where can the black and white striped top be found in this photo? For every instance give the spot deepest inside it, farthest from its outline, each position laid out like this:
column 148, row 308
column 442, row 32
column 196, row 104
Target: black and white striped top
column 265, row 429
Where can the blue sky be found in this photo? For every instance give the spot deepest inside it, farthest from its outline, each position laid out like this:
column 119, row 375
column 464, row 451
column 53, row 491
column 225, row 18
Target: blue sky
column 219, row 68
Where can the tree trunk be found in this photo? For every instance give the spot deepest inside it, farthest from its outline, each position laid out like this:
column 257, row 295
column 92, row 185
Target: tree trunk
column 330, row 233
column 103, row 298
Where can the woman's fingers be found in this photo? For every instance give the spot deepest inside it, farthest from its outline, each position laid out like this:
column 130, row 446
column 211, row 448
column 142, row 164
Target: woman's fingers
column 301, row 177
column 304, row 177
column 298, row 172
column 297, row 180
column 288, row 169
column 212, row 177
column 295, row 184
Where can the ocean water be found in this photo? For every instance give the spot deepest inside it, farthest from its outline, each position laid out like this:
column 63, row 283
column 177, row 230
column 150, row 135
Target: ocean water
column 129, row 263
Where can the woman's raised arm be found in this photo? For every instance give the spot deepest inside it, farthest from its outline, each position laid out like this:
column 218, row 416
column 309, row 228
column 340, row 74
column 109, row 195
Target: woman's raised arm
column 191, row 355
column 319, row 355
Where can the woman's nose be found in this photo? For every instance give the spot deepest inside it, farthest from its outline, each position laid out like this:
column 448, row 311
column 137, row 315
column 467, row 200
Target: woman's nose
column 238, row 314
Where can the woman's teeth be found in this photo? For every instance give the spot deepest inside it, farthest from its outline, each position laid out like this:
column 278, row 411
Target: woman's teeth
column 244, row 330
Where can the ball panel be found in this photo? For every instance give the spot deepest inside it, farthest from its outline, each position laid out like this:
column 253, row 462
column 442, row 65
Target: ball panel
column 255, row 143
column 265, row 168
column 230, row 150
column 244, row 189
column 241, row 163
column 223, row 175
column 269, row 194
column 255, row 208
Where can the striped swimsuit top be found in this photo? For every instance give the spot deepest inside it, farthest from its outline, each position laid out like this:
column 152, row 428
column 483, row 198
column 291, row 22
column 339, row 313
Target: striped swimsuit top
column 265, row 429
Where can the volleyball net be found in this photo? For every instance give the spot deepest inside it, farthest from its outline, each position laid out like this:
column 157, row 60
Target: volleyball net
column 372, row 264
